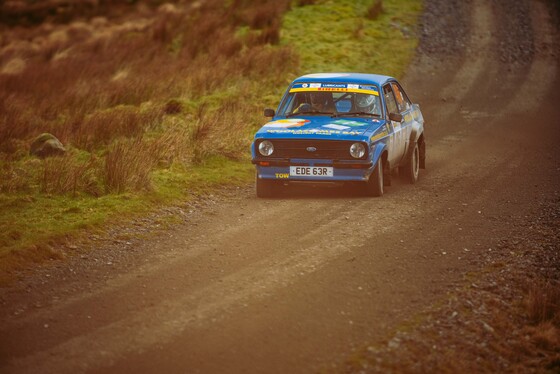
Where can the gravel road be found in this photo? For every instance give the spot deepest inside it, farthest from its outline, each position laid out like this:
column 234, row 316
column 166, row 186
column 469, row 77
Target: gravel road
column 304, row 282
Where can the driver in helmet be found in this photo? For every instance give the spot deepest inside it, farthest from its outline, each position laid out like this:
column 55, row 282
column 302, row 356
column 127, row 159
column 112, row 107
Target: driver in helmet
column 367, row 104
column 318, row 102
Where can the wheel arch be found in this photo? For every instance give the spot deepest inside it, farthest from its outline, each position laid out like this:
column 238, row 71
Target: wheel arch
column 380, row 149
column 385, row 159
column 417, row 138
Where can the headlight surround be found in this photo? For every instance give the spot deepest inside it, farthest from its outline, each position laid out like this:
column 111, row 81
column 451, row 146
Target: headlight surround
column 266, row 148
column 357, row 150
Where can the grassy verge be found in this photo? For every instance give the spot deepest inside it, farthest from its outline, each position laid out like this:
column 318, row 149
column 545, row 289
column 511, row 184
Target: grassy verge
column 32, row 224
column 167, row 108
column 342, row 36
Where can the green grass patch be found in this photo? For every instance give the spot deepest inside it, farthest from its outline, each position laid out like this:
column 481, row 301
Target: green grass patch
column 337, row 36
column 33, row 222
column 181, row 182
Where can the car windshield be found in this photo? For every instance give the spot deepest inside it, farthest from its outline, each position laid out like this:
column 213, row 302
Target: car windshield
column 330, row 103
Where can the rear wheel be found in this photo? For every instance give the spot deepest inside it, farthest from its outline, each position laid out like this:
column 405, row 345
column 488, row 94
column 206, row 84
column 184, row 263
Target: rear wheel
column 265, row 187
column 374, row 185
column 411, row 169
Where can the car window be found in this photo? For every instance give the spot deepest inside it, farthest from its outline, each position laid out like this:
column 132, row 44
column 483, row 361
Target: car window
column 367, row 103
column 308, row 102
column 390, row 99
column 286, row 105
column 311, row 100
column 402, row 100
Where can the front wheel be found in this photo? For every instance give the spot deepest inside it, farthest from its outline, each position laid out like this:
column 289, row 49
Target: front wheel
column 411, row 169
column 265, row 187
column 374, row 185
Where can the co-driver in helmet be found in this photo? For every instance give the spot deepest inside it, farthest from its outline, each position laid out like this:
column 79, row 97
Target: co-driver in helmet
column 367, row 104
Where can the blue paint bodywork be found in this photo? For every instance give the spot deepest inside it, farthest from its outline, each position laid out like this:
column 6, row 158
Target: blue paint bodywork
column 381, row 136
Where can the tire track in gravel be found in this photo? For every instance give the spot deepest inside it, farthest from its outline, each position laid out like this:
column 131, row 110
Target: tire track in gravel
column 141, row 330
column 475, row 63
column 544, row 69
column 191, row 261
column 232, row 234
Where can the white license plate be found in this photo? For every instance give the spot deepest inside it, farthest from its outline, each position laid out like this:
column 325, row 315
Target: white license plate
column 311, row 171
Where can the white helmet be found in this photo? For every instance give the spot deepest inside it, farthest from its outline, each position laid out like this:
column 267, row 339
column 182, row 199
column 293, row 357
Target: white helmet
column 365, row 102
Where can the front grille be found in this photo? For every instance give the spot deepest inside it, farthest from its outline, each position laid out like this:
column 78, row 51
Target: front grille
column 324, row 149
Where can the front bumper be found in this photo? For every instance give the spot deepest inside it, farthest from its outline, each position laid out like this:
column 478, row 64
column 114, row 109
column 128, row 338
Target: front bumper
column 342, row 170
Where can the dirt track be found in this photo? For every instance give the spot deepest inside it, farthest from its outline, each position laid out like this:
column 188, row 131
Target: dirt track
column 295, row 284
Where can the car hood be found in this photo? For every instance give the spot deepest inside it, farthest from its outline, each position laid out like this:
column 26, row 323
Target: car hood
column 323, row 127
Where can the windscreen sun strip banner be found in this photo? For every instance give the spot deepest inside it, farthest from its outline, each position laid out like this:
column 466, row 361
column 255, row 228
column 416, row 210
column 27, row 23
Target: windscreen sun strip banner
column 335, row 87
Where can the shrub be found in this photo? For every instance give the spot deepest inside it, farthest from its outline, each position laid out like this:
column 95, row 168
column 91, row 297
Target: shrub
column 13, row 178
column 101, row 127
column 68, row 174
column 173, row 106
column 543, row 302
column 375, row 10
column 128, row 164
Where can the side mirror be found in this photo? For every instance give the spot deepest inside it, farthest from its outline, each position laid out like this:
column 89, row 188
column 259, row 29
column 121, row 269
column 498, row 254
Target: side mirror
column 397, row 117
column 269, row 112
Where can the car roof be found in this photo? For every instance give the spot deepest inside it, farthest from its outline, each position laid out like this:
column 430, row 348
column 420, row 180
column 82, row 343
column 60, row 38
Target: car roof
column 344, row 78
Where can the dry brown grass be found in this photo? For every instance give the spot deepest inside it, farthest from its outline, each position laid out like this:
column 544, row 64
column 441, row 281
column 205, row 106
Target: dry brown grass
column 100, row 128
column 498, row 338
column 20, row 260
column 543, row 309
column 127, row 166
column 220, row 133
column 101, row 84
column 543, row 302
column 14, row 178
column 545, row 335
column 66, row 174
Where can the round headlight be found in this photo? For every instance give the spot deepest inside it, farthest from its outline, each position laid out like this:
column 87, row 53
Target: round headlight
column 357, row 150
column 266, row 148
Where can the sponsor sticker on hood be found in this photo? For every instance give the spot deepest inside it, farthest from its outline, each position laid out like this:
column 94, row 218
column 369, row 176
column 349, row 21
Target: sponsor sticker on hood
column 320, row 126
column 313, row 132
column 287, row 123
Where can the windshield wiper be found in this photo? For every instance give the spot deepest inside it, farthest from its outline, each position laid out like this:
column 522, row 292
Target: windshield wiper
column 308, row 112
column 357, row 114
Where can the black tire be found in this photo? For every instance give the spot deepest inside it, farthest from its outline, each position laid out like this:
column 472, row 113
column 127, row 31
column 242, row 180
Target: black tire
column 411, row 169
column 374, row 185
column 387, row 177
column 265, row 187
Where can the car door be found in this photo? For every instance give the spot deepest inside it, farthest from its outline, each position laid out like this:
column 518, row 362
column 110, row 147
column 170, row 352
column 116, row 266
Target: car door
column 405, row 108
column 396, row 151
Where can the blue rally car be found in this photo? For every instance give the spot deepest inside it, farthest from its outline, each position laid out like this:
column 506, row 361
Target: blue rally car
column 340, row 127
